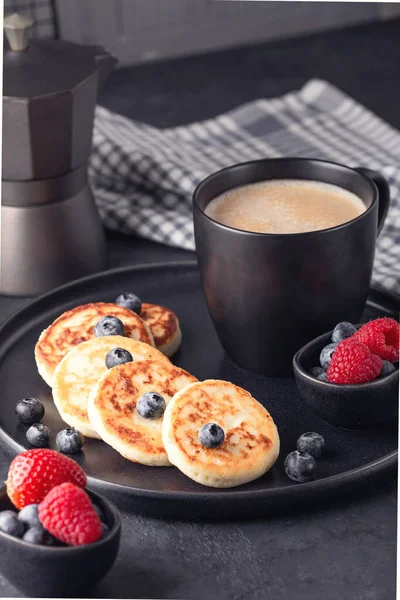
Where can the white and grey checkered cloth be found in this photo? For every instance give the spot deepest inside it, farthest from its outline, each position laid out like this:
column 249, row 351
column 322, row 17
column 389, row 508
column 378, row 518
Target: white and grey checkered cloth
column 143, row 177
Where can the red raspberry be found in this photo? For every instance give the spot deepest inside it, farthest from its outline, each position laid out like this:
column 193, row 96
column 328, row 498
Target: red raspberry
column 67, row 513
column 32, row 474
column 353, row 363
column 382, row 338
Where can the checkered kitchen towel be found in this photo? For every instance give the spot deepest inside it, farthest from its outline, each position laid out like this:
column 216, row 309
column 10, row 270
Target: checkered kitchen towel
column 143, row 177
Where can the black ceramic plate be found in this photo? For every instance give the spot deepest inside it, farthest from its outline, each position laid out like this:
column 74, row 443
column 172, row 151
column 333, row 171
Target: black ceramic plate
column 353, row 458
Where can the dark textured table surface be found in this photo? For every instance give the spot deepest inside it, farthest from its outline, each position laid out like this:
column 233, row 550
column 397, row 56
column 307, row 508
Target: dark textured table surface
column 343, row 550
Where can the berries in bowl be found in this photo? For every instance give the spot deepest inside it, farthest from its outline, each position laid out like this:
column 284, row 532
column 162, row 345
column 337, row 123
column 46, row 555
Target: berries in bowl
column 358, row 385
column 66, row 536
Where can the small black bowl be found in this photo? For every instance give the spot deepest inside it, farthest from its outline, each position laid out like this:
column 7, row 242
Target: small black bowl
column 59, row 571
column 361, row 406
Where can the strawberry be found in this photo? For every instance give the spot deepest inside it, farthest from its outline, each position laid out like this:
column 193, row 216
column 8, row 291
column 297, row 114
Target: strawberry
column 32, row 474
column 353, row 363
column 68, row 513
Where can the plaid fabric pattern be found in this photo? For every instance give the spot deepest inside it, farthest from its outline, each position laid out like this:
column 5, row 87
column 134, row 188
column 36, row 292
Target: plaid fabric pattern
column 143, row 177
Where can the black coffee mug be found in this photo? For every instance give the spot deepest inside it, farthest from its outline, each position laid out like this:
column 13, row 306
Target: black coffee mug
column 269, row 294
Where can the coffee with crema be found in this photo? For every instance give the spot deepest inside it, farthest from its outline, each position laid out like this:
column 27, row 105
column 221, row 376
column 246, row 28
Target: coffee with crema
column 285, row 206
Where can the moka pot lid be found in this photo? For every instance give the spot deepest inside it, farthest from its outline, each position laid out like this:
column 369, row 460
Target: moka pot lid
column 49, row 94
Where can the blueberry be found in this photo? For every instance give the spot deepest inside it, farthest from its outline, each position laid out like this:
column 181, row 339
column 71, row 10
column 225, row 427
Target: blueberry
column 323, row 376
column 311, row 443
column 315, row 371
column 387, row 369
column 29, row 515
column 131, row 301
column 29, row 411
column 343, row 331
column 151, row 405
column 211, row 435
column 117, row 356
column 10, row 524
column 50, row 540
column 69, row 440
column 38, row 435
column 300, row 466
column 326, row 354
column 35, row 535
column 109, row 325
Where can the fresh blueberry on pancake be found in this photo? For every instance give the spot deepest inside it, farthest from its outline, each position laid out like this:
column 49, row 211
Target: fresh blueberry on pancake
column 151, row 405
column 109, row 325
column 131, row 301
column 118, row 356
column 211, row 435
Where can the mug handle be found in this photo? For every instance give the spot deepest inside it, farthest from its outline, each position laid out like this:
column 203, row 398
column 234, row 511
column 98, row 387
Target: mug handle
column 383, row 193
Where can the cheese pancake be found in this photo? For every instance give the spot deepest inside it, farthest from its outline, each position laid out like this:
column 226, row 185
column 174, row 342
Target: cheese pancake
column 79, row 371
column 251, row 444
column 76, row 326
column 164, row 326
column 113, row 413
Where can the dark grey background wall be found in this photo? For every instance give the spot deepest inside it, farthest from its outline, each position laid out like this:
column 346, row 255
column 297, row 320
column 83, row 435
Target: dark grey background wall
column 137, row 31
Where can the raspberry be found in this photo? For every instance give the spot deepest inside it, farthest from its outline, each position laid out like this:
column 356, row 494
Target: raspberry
column 353, row 363
column 382, row 338
column 32, row 474
column 68, row 513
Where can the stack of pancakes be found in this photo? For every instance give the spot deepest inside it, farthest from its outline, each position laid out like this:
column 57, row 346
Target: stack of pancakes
column 101, row 402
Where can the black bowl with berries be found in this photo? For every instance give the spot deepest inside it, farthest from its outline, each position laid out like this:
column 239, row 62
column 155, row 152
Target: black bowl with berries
column 350, row 377
column 39, row 563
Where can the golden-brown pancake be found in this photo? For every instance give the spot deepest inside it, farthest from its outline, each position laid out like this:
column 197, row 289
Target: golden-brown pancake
column 251, row 444
column 164, row 326
column 80, row 369
column 113, row 414
column 76, row 326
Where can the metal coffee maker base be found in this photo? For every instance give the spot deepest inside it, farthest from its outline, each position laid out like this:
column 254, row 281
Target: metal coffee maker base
column 50, row 234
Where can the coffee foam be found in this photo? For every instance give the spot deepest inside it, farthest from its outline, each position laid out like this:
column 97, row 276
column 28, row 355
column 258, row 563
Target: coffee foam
column 285, row 206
